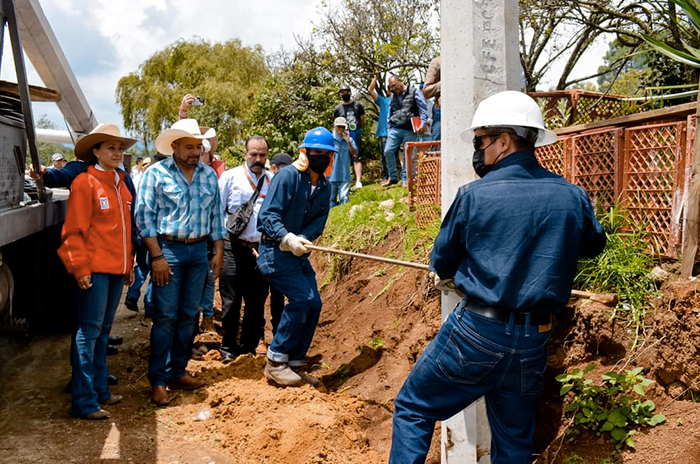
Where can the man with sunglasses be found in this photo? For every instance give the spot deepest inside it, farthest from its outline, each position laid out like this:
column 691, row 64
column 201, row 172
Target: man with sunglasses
column 509, row 243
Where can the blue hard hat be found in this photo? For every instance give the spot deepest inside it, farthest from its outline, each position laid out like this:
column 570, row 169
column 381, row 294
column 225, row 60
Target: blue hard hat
column 320, row 138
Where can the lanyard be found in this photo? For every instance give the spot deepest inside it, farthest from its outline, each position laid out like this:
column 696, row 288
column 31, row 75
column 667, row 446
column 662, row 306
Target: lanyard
column 253, row 185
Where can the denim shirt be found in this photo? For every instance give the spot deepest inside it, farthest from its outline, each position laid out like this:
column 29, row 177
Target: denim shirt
column 513, row 238
column 291, row 207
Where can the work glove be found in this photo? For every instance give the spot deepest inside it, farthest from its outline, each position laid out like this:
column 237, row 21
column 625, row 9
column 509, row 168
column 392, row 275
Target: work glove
column 295, row 243
column 445, row 285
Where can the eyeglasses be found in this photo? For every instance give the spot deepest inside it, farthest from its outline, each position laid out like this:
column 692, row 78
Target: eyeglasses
column 477, row 140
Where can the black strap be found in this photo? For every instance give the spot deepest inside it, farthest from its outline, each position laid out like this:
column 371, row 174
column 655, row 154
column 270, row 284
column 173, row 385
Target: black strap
column 255, row 196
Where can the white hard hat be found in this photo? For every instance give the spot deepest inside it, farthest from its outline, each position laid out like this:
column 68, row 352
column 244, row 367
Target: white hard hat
column 510, row 109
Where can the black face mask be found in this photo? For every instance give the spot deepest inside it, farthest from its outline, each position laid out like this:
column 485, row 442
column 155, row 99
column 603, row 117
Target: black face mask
column 480, row 168
column 319, row 163
column 345, row 97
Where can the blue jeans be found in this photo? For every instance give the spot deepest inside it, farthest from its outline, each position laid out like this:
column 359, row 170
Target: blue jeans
column 435, row 129
column 470, row 357
column 341, row 189
column 176, row 307
column 207, row 302
column 393, row 142
column 96, row 307
column 294, row 278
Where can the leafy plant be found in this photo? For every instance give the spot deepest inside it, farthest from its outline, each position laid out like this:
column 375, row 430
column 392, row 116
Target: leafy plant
column 611, row 407
column 377, row 342
column 690, row 55
column 623, row 267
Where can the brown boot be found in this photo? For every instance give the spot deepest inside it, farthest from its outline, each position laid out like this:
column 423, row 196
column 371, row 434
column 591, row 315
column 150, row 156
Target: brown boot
column 186, row 382
column 159, row 396
column 207, row 324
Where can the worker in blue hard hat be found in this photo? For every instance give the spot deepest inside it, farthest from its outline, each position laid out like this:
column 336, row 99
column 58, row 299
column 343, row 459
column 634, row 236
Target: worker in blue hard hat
column 293, row 214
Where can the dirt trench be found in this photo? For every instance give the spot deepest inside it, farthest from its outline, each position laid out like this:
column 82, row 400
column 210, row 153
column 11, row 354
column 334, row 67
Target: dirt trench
column 375, row 322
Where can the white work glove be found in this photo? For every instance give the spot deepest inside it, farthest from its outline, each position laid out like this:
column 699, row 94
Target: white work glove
column 295, row 243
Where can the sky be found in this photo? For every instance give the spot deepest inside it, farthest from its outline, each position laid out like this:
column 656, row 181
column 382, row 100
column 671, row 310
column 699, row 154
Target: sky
column 104, row 40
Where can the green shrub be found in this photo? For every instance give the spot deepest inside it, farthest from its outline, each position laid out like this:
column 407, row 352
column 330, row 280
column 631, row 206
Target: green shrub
column 611, row 407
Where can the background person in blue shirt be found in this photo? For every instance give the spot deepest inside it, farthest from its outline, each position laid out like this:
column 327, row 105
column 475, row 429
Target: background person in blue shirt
column 354, row 113
column 340, row 176
column 293, row 214
column 381, row 132
column 178, row 206
column 406, row 103
column 510, row 243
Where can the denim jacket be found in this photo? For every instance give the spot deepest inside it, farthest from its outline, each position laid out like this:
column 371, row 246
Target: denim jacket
column 291, row 207
column 513, row 238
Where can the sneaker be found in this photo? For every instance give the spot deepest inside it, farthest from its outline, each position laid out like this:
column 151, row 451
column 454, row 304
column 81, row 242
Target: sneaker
column 305, row 378
column 132, row 305
column 281, row 374
column 207, row 324
column 358, row 185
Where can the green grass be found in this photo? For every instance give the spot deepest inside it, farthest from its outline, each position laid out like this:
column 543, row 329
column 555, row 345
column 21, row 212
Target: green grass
column 368, row 228
column 623, row 268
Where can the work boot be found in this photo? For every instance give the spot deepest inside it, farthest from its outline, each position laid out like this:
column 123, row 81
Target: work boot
column 281, row 374
column 207, row 324
column 305, row 378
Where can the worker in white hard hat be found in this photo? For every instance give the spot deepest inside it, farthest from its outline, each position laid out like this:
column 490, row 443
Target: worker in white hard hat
column 509, row 244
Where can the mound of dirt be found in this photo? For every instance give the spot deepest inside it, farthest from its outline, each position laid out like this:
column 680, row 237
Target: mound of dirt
column 675, row 349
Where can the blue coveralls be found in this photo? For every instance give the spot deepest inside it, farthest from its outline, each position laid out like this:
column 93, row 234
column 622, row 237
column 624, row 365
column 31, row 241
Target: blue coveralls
column 290, row 206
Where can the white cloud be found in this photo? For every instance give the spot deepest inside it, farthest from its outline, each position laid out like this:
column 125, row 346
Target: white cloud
column 107, row 39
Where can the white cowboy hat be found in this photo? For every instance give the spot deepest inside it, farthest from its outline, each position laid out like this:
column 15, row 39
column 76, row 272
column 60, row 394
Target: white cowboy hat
column 184, row 128
column 83, row 147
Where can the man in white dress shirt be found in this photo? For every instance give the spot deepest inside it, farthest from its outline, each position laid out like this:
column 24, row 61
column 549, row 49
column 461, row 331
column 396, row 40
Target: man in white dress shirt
column 240, row 278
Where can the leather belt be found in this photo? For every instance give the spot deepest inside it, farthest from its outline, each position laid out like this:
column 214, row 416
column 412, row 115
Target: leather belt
column 503, row 315
column 186, row 241
column 244, row 243
column 265, row 237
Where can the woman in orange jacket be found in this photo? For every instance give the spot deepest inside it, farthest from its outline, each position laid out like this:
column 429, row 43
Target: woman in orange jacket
column 96, row 249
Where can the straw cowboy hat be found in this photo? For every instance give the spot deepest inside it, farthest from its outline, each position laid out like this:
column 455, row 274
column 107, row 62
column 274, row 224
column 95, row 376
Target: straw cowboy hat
column 83, row 147
column 184, row 128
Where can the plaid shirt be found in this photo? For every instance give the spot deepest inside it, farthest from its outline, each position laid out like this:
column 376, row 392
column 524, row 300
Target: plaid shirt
column 168, row 205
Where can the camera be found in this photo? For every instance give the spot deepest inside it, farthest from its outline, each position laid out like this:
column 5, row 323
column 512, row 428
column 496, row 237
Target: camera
column 198, row 101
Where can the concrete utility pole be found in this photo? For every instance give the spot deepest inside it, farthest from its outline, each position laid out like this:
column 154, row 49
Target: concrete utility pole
column 480, row 57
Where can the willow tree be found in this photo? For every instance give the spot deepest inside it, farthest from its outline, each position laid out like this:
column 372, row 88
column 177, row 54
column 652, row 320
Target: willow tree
column 226, row 74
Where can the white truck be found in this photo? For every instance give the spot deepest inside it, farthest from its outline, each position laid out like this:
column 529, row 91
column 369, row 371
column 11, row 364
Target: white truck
column 35, row 289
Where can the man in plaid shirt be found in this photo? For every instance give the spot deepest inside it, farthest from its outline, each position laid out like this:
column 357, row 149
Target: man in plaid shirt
column 178, row 207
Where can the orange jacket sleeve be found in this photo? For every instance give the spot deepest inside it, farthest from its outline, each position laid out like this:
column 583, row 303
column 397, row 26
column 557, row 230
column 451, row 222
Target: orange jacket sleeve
column 73, row 251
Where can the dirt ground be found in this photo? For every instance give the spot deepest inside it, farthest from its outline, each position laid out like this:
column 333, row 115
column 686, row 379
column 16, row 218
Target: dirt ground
column 369, row 336
column 365, row 345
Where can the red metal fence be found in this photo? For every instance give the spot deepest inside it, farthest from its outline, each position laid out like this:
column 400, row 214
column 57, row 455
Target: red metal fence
column 645, row 168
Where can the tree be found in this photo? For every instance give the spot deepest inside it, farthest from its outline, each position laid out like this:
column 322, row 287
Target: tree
column 226, row 74
column 552, row 30
column 297, row 97
column 689, row 55
column 358, row 37
column 46, row 149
